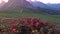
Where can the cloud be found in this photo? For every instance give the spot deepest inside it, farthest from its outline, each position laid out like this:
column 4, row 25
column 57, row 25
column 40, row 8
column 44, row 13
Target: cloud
column 47, row 1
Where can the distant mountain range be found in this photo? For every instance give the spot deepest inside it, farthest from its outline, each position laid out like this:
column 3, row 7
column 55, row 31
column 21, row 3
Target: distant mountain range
column 37, row 7
column 24, row 3
column 47, row 6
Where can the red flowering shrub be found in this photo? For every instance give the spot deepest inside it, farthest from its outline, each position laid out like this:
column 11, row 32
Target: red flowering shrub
column 27, row 25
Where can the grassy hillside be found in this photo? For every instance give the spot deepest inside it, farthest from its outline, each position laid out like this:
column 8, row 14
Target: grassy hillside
column 29, row 13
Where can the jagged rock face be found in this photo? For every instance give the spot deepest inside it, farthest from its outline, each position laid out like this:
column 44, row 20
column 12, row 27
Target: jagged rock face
column 16, row 3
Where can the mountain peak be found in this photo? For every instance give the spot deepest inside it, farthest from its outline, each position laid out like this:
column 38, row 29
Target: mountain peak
column 16, row 3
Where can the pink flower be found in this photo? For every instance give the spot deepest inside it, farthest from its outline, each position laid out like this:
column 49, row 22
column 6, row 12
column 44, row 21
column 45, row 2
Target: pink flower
column 36, row 24
column 14, row 30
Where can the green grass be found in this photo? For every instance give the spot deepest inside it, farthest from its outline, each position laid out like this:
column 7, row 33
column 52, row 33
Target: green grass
column 29, row 13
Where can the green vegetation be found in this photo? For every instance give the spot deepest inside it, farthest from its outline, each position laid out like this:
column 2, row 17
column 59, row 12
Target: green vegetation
column 30, row 13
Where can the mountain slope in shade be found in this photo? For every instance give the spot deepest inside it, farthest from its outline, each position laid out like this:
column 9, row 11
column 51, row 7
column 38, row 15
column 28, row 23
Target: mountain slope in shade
column 40, row 4
column 54, row 6
column 16, row 4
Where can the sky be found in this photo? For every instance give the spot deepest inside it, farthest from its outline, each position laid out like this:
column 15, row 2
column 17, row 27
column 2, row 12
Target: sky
column 48, row 1
column 44, row 1
column 4, row 1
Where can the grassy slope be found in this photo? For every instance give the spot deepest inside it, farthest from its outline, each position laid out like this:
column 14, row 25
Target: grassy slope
column 29, row 13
